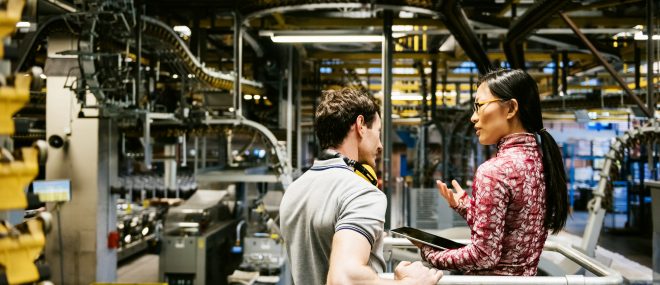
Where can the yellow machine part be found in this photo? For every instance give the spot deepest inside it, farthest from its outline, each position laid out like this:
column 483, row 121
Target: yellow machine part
column 17, row 253
column 12, row 99
column 9, row 18
column 14, row 177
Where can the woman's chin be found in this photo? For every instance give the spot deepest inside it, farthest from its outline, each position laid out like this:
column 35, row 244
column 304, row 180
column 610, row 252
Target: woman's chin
column 485, row 141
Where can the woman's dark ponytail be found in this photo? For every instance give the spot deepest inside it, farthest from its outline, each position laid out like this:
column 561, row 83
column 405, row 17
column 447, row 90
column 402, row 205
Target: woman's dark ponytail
column 516, row 84
column 556, row 196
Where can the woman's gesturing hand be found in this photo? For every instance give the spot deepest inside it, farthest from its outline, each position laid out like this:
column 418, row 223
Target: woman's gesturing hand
column 449, row 195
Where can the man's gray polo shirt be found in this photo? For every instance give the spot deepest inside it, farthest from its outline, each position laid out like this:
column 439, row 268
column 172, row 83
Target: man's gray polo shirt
column 329, row 197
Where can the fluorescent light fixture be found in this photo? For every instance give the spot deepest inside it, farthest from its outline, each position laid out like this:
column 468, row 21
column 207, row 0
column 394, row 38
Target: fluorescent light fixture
column 183, row 31
column 409, row 97
column 402, row 28
column 23, row 25
column 326, row 38
column 642, row 37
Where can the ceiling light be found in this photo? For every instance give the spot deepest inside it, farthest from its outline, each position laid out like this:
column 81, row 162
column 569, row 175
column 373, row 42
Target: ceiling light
column 326, row 38
column 175, row 76
column 642, row 37
column 231, row 109
column 409, row 97
column 183, row 31
column 402, row 28
column 247, row 97
column 23, row 25
column 256, row 97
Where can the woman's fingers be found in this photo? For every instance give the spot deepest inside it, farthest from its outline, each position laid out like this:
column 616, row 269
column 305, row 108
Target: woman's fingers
column 446, row 193
column 458, row 188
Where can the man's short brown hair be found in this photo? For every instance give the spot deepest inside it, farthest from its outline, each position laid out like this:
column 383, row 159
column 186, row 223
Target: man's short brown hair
column 338, row 110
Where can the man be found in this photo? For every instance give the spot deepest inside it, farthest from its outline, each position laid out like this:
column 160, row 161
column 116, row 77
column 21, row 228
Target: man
column 332, row 219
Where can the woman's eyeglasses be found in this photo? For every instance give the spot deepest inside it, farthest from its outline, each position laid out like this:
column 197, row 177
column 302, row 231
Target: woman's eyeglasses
column 477, row 106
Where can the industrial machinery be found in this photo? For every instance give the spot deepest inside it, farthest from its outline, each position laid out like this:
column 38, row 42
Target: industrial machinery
column 197, row 239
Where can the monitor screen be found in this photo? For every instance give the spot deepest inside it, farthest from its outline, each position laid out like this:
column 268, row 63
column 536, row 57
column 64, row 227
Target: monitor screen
column 52, row 190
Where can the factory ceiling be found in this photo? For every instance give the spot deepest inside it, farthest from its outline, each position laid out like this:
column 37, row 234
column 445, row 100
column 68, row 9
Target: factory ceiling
column 459, row 39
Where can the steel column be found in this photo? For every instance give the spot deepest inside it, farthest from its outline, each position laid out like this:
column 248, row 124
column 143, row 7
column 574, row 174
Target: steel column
column 289, row 107
column 434, row 86
column 138, row 70
column 555, row 74
column 650, row 102
column 564, row 73
column 638, row 64
column 238, row 63
column 299, row 148
column 387, row 51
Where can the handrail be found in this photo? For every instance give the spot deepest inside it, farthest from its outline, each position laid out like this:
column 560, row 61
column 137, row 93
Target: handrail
column 604, row 275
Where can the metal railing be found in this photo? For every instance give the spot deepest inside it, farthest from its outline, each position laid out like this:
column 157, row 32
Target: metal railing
column 394, row 249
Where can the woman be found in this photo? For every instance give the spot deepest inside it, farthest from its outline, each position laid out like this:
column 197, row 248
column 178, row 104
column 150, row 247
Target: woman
column 519, row 195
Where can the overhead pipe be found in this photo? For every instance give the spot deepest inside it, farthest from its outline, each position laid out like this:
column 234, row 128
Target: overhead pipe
column 457, row 23
column 535, row 16
column 607, row 66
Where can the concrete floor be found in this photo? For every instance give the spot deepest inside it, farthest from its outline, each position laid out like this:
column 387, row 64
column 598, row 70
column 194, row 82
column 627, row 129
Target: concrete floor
column 141, row 269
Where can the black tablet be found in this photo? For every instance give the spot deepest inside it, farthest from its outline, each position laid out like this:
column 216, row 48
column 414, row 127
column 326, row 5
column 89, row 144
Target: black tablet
column 427, row 238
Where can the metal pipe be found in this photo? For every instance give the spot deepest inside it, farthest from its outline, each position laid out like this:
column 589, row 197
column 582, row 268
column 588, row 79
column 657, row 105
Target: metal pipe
column 317, row 89
column 638, row 64
column 471, row 84
column 147, row 140
column 63, row 6
column 434, row 86
column 422, row 129
column 564, row 73
column 204, row 152
column 457, row 22
column 605, row 64
column 650, row 61
column 184, row 146
column 387, row 51
column 299, row 148
column 555, row 74
column 289, row 108
column 444, row 82
column 196, row 155
column 238, row 63
column 138, row 60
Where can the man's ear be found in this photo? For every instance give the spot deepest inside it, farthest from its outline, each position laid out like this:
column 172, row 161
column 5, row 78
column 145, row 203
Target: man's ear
column 513, row 108
column 359, row 124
